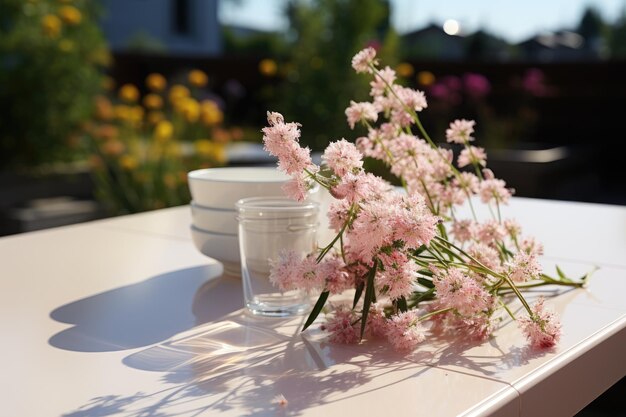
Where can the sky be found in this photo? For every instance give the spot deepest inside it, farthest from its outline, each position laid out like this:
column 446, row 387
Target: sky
column 514, row 20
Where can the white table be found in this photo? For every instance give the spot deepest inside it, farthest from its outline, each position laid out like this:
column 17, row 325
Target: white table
column 124, row 317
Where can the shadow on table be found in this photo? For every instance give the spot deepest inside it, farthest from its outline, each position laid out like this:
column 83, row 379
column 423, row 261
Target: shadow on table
column 240, row 365
column 147, row 312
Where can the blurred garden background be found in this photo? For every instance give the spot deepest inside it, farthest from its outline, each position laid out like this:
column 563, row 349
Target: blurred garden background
column 106, row 105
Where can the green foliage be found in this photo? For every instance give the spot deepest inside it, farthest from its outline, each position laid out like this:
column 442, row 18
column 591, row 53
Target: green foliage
column 262, row 44
column 51, row 54
column 320, row 82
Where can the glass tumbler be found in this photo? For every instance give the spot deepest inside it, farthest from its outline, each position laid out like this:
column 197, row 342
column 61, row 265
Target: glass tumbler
column 268, row 225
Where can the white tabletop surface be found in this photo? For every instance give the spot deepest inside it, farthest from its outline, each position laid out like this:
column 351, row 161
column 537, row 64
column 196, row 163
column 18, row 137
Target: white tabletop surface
column 124, row 317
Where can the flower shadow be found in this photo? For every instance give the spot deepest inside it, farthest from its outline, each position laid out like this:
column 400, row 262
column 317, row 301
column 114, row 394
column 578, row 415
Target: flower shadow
column 239, row 364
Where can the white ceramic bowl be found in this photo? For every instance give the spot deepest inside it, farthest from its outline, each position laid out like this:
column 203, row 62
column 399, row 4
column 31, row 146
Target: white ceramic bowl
column 214, row 220
column 221, row 188
column 222, row 247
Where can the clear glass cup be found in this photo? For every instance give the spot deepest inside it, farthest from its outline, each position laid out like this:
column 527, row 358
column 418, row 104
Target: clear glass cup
column 268, row 225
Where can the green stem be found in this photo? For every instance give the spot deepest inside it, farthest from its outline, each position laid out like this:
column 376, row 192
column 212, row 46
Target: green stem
column 434, row 313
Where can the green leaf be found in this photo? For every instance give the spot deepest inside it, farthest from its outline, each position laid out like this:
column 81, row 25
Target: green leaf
column 357, row 294
column 426, row 272
column 423, row 296
column 425, row 282
column 419, row 250
column 560, row 272
column 402, row 305
column 316, row 309
column 369, row 296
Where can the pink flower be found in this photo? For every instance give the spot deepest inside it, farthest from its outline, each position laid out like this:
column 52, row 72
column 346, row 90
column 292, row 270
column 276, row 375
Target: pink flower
column 382, row 79
column 513, row 228
column 333, row 270
column 457, row 290
column 524, row 267
column 490, row 232
column 371, row 230
column 413, row 223
column 285, row 271
column 352, row 187
column 280, row 400
column 295, row 160
column 531, row 246
column 476, row 85
column 274, row 118
column 341, row 327
column 486, row 255
column 296, row 188
column 472, row 155
column 398, row 278
column 404, row 331
column 460, row 131
column 376, row 321
column 360, row 112
column 463, row 230
column 413, row 99
column 467, row 181
column 542, row 328
column 494, row 189
column 343, row 157
column 338, row 214
column 362, row 61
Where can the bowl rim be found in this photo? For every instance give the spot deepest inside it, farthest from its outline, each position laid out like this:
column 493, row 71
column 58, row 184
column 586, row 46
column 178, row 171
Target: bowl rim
column 195, row 228
column 195, row 175
column 198, row 206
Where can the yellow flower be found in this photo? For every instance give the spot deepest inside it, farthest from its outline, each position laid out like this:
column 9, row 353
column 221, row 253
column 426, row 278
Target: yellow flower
column 122, row 112
column 163, row 131
column 106, row 132
column 129, row 93
column 198, row 78
column 189, row 108
column 210, row 113
column 207, row 149
column 66, row 45
column 128, row 162
column 113, row 147
column 156, row 82
column 268, row 67
column 70, row 15
column 178, row 92
column 155, row 117
column 425, row 78
column 104, row 109
column 136, row 115
column 51, row 25
column 405, row 70
column 153, row 101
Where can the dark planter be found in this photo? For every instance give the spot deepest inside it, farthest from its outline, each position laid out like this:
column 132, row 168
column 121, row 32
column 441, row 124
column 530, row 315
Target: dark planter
column 61, row 196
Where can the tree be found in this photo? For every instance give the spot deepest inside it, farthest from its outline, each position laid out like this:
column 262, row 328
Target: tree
column 51, row 54
column 320, row 82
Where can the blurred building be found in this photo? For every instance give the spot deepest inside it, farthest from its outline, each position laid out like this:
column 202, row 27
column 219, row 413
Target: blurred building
column 432, row 42
column 558, row 46
column 173, row 27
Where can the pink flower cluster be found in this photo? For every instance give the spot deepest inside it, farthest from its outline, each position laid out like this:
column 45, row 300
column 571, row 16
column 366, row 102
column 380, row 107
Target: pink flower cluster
column 282, row 140
column 404, row 331
column 392, row 246
column 542, row 328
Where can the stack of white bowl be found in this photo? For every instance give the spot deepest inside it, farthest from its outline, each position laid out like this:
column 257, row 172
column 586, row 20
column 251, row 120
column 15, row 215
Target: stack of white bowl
column 214, row 220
